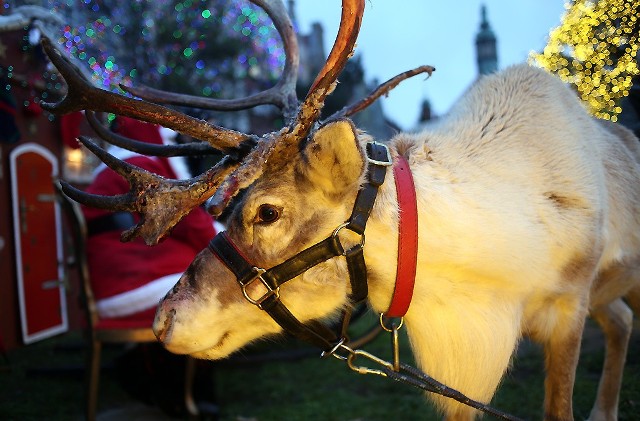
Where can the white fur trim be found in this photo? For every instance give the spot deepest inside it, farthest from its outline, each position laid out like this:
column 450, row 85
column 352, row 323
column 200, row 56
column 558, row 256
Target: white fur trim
column 179, row 166
column 178, row 163
column 218, row 226
column 139, row 299
column 167, row 135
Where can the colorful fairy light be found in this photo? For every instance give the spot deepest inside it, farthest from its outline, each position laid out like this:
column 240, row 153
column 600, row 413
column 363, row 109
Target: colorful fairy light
column 198, row 40
column 596, row 49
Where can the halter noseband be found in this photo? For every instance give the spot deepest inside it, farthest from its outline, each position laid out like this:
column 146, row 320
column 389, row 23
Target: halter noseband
column 378, row 159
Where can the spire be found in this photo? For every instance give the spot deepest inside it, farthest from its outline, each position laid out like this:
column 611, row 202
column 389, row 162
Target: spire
column 425, row 112
column 486, row 51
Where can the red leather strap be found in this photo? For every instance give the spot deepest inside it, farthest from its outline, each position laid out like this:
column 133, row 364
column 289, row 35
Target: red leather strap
column 407, row 239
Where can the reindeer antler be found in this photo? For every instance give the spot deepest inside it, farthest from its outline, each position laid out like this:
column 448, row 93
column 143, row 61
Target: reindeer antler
column 162, row 202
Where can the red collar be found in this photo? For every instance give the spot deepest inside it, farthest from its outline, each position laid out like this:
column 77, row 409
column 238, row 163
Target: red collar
column 407, row 239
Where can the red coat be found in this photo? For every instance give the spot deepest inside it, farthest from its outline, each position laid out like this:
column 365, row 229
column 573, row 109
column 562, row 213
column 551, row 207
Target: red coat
column 117, row 267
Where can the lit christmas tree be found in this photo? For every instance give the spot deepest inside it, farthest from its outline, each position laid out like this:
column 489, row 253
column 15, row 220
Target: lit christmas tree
column 596, row 49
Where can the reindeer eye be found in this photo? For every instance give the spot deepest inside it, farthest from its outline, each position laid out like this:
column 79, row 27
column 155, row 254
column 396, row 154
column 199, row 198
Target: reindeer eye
column 268, row 214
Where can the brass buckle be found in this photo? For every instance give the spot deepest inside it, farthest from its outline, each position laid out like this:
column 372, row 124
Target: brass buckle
column 387, row 163
column 270, row 292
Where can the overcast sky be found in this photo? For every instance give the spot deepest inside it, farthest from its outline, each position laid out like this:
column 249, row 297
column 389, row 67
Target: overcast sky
column 402, row 34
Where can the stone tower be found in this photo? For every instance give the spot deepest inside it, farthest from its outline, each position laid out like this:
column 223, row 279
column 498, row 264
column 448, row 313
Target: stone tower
column 486, row 51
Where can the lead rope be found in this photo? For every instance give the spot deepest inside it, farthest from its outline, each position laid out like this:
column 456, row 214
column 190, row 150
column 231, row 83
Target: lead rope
column 420, row 380
column 404, row 373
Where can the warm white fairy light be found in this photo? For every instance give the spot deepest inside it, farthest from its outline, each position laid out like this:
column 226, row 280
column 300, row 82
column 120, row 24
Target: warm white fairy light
column 596, row 48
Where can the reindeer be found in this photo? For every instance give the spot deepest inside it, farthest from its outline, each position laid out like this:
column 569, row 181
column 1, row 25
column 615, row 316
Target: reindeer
column 528, row 210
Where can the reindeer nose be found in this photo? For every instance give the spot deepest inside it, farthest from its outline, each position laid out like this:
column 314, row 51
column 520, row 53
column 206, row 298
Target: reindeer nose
column 163, row 324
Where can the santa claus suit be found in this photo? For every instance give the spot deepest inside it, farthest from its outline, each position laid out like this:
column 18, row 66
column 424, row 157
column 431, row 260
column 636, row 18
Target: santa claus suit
column 130, row 278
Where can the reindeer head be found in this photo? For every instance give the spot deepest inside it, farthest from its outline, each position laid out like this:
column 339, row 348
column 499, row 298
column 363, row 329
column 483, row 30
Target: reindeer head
column 288, row 209
column 299, row 184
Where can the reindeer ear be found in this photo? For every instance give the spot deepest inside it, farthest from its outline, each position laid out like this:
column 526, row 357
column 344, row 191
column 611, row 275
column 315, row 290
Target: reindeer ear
column 333, row 159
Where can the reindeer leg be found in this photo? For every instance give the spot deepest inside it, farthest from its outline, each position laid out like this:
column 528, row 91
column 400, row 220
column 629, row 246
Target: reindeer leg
column 562, row 351
column 633, row 300
column 616, row 321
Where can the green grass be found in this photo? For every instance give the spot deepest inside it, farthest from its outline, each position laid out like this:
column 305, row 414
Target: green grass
column 44, row 381
column 306, row 389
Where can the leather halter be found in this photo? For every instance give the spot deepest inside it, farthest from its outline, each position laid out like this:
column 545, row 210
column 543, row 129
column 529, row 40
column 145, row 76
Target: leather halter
column 378, row 159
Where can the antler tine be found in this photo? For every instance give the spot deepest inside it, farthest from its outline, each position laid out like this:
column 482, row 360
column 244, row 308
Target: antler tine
column 342, row 50
column 114, row 203
column 161, row 202
column 252, row 167
column 82, row 95
column 144, row 148
column 121, row 167
column 350, row 21
column 382, row 89
column 282, row 95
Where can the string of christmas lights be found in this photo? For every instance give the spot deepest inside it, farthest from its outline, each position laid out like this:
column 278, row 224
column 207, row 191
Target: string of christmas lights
column 596, row 49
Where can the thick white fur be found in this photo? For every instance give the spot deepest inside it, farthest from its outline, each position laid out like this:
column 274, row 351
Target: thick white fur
column 529, row 218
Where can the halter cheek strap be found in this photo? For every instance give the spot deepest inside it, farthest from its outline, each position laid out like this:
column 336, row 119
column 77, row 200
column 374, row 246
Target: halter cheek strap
column 378, row 159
